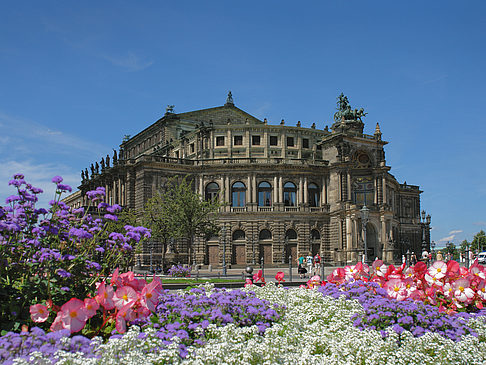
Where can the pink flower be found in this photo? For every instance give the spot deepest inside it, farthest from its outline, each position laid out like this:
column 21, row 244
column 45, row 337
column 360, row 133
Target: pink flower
column 314, row 281
column 432, row 280
column 462, row 291
column 258, row 276
column 150, row 295
column 438, row 270
column 279, row 277
column 248, row 282
column 397, row 289
column 125, row 295
column 338, row 276
column 379, row 268
column 105, row 296
column 122, row 318
column 73, row 315
column 91, row 306
column 481, row 290
column 57, row 324
column 39, row 313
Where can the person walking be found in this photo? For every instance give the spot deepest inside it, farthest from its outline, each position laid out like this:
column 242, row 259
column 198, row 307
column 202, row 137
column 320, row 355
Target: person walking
column 317, row 264
column 310, row 263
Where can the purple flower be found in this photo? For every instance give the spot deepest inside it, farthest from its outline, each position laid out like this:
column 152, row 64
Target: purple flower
column 111, row 217
column 57, row 179
column 64, row 187
column 113, row 209
column 63, row 273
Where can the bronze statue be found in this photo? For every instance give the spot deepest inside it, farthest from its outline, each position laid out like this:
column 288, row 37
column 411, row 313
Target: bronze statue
column 345, row 112
column 93, row 171
column 97, row 168
column 107, row 161
column 102, row 164
column 115, row 158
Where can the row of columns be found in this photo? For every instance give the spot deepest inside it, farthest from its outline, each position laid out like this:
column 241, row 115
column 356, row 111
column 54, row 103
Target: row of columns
column 225, row 182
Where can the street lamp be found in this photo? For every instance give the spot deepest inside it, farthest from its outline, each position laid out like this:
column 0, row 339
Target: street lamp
column 223, row 232
column 365, row 213
column 286, row 242
column 252, row 250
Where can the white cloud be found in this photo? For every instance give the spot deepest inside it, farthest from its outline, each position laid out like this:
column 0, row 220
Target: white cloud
column 39, row 175
column 448, row 238
column 130, row 61
column 24, row 136
column 455, row 232
column 483, row 223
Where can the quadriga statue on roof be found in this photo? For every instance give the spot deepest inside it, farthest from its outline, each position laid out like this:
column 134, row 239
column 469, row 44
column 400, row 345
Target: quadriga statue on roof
column 345, row 112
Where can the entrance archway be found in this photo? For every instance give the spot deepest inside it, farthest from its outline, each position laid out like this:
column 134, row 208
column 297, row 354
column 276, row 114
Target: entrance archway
column 372, row 242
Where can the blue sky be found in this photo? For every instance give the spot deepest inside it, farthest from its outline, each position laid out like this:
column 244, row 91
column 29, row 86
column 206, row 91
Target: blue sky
column 78, row 76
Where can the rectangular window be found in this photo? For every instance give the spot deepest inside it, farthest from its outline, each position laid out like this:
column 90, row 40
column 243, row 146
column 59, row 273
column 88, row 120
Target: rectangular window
column 255, row 140
column 273, row 140
column 305, row 142
column 319, row 147
column 220, row 141
column 192, row 148
column 238, row 140
column 290, row 141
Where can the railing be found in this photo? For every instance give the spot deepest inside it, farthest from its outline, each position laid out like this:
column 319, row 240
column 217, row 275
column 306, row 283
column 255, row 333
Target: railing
column 291, row 209
column 239, row 209
column 265, row 209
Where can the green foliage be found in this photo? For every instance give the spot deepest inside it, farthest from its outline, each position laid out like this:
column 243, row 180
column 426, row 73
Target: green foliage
column 178, row 212
column 451, row 248
column 478, row 243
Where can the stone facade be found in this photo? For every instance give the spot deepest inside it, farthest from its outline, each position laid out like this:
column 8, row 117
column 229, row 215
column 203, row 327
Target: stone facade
column 289, row 190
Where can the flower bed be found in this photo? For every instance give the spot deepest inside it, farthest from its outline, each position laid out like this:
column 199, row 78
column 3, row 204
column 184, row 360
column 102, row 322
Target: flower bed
column 56, row 265
column 314, row 328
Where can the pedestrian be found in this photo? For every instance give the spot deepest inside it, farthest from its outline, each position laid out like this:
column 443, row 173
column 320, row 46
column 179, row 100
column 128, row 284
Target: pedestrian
column 317, row 264
column 439, row 256
column 301, row 270
column 413, row 259
column 310, row 262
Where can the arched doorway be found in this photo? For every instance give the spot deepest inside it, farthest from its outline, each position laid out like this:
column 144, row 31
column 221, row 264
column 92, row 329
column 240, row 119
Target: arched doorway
column 315, row 242
column 239, row 245
column 372, row 242
column 291, row 241
column 265, row 245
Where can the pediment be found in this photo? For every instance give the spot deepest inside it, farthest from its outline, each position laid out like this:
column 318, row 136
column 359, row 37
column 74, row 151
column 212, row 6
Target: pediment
column 223, row 115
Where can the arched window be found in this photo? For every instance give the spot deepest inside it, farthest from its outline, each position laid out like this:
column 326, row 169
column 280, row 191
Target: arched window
column 238, row 235
column 291, row 234
column 314, row 195
column 212, row 191
column 265, row 234
column 264, row 194
column 315, row 235
column 290, row 192
column 238, row 194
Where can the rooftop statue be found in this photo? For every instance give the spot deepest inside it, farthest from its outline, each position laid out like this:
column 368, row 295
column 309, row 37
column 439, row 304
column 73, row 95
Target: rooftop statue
column 169, row 109
column 345, row 112
column 229, row 99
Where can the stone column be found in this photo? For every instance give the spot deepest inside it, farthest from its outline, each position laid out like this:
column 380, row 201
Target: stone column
column 227, row 193
column 300, row 201
column 349, row 239
column 375, row 183
column 349, row 186
column 249, row 190
column 384, row 189
column 211, row 141
column 275, row 190
column 247, row 144
column 280, row 189
column 201, row 187
column 254, row 189
column 306, row 192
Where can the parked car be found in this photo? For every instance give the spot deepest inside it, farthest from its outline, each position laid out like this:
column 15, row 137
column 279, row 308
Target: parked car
column 482, row 258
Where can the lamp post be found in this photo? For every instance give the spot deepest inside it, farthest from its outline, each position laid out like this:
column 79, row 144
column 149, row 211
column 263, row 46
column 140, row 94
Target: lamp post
column 252, row 250
column 286, row 241
column 365, row 213
column 223, row 232
column 432, row 246
column 467, row 255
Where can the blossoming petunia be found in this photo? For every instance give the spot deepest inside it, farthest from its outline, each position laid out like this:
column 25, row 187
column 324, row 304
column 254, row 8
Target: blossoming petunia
column 39, row 313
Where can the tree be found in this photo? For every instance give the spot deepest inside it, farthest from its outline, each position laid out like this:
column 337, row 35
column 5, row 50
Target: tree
column 158, row 217
column 177, row 211
column 451, row 248
column 478, row 243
